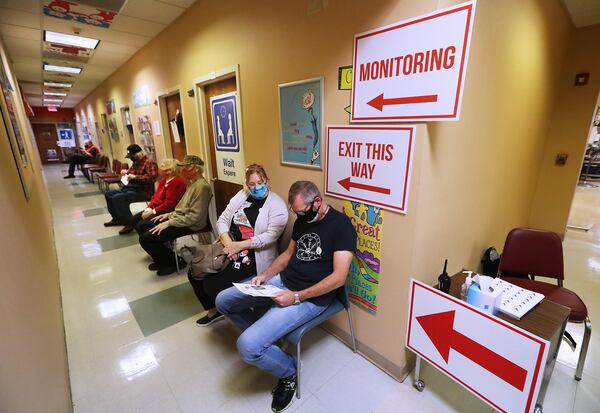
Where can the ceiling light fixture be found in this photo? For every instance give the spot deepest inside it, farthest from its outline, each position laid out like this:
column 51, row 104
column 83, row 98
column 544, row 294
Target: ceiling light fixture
column 54, row 84
column 70, row 40
column 53, row 100
column 54, row 93
column 64, row 69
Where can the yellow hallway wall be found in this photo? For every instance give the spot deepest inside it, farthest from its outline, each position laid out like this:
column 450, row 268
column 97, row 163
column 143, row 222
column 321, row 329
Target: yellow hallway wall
column 463, row 172
column 568, row 127
column 33, row 360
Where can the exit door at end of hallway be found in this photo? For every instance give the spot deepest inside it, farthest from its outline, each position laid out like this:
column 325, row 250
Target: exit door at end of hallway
column 224, row 190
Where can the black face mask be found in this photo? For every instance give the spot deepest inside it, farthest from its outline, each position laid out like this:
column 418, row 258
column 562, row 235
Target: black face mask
column 309, row 216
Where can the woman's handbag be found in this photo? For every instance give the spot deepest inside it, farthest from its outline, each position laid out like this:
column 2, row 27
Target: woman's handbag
column 208, row 259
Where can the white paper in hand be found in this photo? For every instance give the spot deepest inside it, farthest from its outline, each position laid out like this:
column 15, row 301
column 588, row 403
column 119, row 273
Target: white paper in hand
column 125, row 180
column 258, row 290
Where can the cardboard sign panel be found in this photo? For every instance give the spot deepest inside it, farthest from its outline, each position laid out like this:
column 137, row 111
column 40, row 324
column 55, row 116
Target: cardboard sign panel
column 370, row 164
column 413, row 70
column 497, row 361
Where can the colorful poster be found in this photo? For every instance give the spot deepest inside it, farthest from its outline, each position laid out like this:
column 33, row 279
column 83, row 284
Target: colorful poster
column 363, row 278
column 301, row 122
column 80, row 13
column 228, row 146
column 141, row 96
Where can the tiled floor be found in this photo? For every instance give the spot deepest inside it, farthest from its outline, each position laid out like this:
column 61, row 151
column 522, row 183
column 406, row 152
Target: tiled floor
column 182, row 368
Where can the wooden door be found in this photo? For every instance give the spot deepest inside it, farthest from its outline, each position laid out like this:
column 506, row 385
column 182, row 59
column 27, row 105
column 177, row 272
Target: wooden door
column 177, row 139
column 46, row 139
column 224, row 190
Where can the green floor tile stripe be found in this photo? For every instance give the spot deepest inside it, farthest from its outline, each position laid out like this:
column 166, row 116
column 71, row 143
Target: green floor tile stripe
column 83, row 183
column 165, row 308
column 84, row 194
column 94, row 211
column 118, row 241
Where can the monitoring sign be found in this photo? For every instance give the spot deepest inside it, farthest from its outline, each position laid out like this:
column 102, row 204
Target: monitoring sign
column 370, row 164
column 495, row 360
column 413, row 70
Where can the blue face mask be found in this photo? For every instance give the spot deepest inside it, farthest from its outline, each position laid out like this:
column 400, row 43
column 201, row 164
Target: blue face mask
column 259, row 191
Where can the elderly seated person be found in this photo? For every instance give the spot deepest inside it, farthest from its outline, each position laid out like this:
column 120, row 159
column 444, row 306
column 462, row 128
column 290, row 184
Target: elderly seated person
column 85, row 155
column 170, row 189
column 190, row 215
column 140, row 186
column 309, row 271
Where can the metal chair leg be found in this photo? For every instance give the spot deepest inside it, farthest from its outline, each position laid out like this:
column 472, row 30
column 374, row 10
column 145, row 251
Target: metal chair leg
column 584, row 348
column 348, row 310
column 298, row 368
column 176, row 257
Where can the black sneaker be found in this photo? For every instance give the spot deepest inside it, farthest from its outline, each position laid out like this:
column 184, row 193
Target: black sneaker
column 284, row 393
column 206, row 320
column 153, row 266
column 165, row 271
column 68, row 176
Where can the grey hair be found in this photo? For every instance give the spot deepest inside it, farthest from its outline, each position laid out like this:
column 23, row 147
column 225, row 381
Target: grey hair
column 169, row 164
column 306, row 189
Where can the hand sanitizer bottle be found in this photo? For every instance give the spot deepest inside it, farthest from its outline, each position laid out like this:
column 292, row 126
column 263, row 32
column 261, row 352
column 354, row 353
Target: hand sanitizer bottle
column 464, row 288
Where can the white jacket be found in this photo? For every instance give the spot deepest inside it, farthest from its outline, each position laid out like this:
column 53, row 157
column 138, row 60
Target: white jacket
column 270, row 224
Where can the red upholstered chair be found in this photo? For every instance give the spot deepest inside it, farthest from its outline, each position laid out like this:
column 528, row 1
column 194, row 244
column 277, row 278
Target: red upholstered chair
column 529, row 253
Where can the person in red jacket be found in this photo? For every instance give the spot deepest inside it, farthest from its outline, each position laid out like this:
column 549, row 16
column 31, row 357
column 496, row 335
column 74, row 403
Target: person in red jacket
column 171, row 188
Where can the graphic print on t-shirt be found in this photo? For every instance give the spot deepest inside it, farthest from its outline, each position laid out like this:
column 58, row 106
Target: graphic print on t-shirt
column 309, row 247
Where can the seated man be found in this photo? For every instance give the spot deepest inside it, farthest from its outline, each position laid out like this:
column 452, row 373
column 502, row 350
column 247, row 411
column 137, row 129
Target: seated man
column 85, row 155
column 190, row 215
column 309, row 271
column 139, row 188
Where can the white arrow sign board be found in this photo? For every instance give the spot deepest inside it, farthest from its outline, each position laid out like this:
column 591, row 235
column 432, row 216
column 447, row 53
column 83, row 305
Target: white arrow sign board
column 413, row 70
column 497, row 361
column 370, row 164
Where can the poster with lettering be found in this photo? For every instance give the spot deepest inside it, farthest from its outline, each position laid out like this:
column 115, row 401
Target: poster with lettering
column 363, row 278
column 301, row 122
column 228, row 147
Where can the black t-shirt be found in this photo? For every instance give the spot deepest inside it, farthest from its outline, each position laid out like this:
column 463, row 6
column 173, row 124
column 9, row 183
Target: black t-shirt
column 315, row 244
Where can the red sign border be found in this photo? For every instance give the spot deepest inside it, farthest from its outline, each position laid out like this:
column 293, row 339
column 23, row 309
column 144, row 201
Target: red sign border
column 453, row 115
column 412, row 130
column 494, row 319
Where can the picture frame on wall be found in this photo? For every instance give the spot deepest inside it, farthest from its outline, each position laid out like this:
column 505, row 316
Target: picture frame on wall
column 301, row 120
column 15, row 136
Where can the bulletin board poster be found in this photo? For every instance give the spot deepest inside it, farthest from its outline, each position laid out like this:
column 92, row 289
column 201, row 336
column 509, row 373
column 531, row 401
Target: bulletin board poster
column 228, row 146
column 66, row 139
column 301, row 122
column 363, row 277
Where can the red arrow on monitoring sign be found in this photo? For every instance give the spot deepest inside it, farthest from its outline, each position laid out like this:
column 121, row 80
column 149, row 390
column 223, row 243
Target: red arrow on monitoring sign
column 347, row 184
column 379, row 102
column 439, row 327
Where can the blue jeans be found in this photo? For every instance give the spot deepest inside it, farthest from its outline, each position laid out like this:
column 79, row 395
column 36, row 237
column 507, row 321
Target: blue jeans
column 255, row 344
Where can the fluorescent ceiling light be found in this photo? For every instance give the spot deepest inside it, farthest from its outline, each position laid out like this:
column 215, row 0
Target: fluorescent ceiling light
column 54, row 93
column 65, row 69
column 53, row 100
column 53, row 84
column 70, row 40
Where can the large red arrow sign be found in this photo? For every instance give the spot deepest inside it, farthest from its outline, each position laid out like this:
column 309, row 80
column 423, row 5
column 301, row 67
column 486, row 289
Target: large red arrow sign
column 379, row 102
column 347, row 184
column 439, row 327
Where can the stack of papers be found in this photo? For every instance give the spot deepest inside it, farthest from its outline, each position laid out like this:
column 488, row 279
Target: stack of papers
column 258, row 290
column 516, row 301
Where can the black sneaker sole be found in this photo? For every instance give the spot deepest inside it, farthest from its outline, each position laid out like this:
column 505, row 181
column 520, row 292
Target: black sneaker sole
column 211, row 322
column 287, row 406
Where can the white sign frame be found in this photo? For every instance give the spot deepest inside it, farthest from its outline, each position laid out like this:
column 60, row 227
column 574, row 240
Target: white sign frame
column 516, row 345
column 230, row 161
column 357, row 189
column 422, row 94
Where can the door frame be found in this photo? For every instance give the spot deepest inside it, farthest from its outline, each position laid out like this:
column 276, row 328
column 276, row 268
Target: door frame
column 198, row 84
column 122, row 108
column 164, row 119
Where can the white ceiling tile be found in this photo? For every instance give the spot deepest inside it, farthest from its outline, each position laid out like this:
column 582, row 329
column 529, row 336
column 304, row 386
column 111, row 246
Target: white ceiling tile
column 116, row 48
column 583, row 12
column 152, row 10
column 132, row 25
column 20, row 18
column 8, row 30
column 179, row 3
column 31, row 6
column 23, row 47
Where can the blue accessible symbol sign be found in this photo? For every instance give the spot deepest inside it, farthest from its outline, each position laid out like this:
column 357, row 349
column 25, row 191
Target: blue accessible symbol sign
column 225, row 122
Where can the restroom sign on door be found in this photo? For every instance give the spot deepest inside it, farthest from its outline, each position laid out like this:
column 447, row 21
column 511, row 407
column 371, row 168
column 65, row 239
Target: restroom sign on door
column 413, row 70
column 370, row 164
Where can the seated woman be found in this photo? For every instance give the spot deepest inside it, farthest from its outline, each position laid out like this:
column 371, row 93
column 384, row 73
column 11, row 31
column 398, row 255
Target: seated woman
column 249, row 227
column 189, row 216
column 171, row 188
